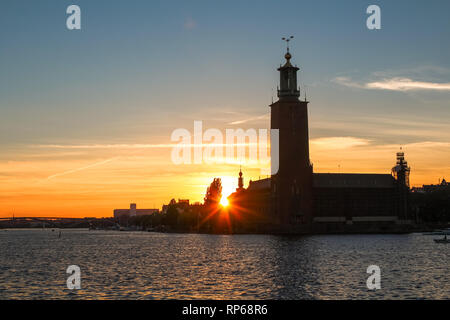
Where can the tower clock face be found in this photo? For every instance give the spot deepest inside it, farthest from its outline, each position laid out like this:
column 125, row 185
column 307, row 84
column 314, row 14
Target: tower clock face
column 223, row 150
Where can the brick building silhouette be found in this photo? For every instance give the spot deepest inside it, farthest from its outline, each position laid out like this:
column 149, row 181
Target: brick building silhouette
column 296, row 196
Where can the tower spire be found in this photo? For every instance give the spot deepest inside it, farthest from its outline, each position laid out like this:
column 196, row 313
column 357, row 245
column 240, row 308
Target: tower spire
column 288, row 76
column 241, row 179
column 287, row 41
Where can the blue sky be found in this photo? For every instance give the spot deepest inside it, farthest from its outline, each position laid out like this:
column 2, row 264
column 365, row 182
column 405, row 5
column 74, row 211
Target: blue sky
column 157, row 58
column 140, row 69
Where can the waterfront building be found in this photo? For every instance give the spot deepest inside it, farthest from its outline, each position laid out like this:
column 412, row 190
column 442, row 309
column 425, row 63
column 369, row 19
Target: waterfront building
column 427, row 188
column 133, row 212
column 296, row 196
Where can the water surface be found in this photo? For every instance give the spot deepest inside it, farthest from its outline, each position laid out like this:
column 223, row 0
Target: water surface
column 143, row 265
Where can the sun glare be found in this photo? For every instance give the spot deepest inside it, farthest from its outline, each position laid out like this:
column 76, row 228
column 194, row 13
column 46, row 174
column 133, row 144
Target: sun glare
column 228, row 187
column 224, row 201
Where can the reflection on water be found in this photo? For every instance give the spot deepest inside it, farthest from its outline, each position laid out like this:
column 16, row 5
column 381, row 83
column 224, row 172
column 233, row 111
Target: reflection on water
column 140, row 265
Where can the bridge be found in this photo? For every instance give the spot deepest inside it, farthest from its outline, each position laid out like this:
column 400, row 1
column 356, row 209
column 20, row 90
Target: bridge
column 54, row 221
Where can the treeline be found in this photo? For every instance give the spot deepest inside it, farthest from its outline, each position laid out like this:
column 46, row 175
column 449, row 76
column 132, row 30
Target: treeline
column 181, row 216
column 176, row 217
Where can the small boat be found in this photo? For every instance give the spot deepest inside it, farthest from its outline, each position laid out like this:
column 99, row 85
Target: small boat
column 445, row 240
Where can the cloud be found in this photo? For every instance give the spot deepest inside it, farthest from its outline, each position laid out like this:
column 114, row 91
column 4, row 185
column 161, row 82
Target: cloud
column 140, row 146
column 263, row 117
column 345, row 81
column 339, row 142
column 394, row 84
column 405, row 84
column 418, row 71
column 438, row 145
column 105, row 146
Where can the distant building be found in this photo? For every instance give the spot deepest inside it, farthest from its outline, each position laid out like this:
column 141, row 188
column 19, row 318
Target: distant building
column 427, row 188
column 431, row 203
column 133, row 212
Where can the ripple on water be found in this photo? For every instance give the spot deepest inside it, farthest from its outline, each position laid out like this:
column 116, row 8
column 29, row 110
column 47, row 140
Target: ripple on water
column 138, row 265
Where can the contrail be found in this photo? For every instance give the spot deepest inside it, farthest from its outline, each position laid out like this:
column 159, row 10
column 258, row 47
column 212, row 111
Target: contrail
column 80, row 169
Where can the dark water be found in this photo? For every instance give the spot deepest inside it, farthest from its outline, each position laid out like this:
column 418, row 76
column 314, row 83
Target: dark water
column 140, row 265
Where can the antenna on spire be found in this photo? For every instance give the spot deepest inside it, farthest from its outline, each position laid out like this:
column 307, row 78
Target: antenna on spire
column 287, row 41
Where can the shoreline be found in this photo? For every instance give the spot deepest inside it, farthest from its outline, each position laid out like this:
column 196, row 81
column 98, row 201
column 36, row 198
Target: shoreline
column 323, row 229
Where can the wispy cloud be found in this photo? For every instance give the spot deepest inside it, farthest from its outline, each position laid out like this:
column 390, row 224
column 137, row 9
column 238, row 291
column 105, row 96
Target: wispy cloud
column 405, row 84
column 394, row 84
column 140, row 146
column 105, row 146
column 339, row 142
column 262, row 117
column 345, row 81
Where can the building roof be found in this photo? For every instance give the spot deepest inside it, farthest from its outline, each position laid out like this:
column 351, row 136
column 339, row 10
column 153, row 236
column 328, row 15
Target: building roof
column 352, row 180
column 259, row 184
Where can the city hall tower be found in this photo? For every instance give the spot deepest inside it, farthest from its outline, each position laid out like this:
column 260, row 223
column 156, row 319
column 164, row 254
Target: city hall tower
column 291, row 186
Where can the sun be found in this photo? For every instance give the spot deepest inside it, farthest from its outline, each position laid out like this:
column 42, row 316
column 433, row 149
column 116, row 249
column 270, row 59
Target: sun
column 224, row 201
column 228, row 187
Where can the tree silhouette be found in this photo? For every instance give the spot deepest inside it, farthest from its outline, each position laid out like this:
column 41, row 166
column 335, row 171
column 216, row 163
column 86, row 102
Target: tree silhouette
column 172, row 215
column 214, row 193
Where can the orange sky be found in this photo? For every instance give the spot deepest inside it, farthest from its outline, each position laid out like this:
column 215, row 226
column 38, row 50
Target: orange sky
column 92, row 180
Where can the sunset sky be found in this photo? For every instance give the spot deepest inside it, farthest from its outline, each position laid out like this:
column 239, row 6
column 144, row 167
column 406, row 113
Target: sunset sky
column 86, row 116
